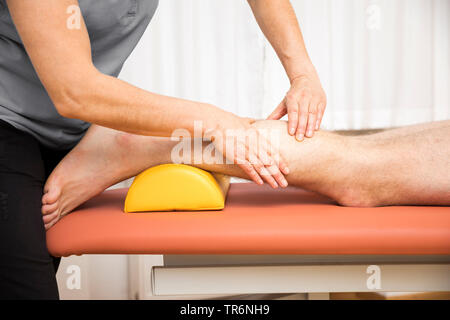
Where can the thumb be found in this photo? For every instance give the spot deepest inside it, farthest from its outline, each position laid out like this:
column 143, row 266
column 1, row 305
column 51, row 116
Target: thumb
column 278, row 113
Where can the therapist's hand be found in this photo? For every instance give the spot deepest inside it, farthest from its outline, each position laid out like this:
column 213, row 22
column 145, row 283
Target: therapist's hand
column 251, row 151
column 304, row 104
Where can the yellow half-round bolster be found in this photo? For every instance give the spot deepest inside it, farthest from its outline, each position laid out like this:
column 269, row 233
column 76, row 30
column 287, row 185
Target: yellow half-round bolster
column 171, row 187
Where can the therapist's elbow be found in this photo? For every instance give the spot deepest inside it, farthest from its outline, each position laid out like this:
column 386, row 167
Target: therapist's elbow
column 68, row 105
column 73, row 98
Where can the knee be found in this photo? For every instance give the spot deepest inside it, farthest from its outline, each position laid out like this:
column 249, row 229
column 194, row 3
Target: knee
column 276, row 131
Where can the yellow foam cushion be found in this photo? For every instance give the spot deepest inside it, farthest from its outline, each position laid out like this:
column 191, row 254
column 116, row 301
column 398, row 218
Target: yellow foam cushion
column 171, row 187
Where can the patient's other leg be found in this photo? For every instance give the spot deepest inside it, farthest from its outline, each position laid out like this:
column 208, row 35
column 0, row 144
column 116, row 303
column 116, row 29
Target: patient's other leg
column 411, row 168
column 411, row 129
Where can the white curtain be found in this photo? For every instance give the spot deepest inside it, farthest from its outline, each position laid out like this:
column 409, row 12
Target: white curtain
column 382, row 63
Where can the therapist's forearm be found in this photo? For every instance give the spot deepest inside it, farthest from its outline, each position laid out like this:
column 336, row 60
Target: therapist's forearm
column 116, row 104
column 279, row 24
column 62, row 59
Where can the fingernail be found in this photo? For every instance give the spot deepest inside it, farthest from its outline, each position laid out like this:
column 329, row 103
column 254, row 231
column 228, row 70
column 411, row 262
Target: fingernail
column 286, row 170
column 291, row 131
column 317, row 126
column 284, row 183
column 310, row 133
column 300, row 136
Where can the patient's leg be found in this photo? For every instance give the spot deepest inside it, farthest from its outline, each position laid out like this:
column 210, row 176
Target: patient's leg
column 105, row 156
column 315, row 164
column 407, row 168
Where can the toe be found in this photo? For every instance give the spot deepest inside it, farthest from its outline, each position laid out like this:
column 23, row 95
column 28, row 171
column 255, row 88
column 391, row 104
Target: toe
column 49, row 208
column 49, row 225
column 51, row 196
column 50, row 217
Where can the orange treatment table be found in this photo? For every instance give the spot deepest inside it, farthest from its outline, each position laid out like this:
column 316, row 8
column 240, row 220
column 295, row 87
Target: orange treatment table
column 260, row 221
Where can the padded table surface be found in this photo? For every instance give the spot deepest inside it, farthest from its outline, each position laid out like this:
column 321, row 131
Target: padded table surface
column 256, row 220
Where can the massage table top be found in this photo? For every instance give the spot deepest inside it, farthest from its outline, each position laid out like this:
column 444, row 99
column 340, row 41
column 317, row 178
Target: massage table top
column 256, row 220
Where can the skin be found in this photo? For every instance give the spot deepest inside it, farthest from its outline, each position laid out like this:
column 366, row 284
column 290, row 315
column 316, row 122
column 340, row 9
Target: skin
column 305, row 102
column 367, row 171
column 62, row 59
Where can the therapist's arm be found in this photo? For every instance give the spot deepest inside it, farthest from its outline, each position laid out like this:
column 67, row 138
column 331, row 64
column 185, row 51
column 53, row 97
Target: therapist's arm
column 305, row 101
column 62, row 59
column 63, row 62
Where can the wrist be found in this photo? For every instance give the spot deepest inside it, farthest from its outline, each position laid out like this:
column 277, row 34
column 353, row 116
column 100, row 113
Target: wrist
column 301, row 69
column 216, row 120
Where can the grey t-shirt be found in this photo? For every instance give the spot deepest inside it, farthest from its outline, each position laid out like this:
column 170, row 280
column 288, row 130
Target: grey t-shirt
column 114, row 26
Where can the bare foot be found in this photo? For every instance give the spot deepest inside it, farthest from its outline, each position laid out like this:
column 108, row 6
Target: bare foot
column 102, row 158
